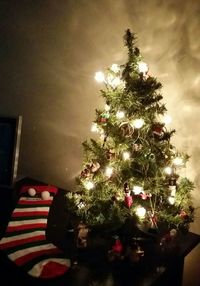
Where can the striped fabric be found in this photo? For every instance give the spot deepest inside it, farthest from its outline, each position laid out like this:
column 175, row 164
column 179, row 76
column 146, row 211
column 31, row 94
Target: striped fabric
column 25, row 239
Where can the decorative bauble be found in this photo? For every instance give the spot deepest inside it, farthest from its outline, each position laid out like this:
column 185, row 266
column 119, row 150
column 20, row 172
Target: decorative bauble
column 110, row 154
column 31, row 192
column 183, row 214
column 45, row 195
column 128, row 199
column 137, row 147
column 151, row 156
column 168, row 238
column 117, row 247
column 158, row 130
column 103, row 118
column 82, row 235
column 95, row 167
column 116, row 251
column 126, row 129
column 85, row 173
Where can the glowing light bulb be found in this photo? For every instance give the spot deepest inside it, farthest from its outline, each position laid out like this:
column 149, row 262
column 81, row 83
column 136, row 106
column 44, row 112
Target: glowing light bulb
column 168, row 170
column 120, row 114
column 113, row 80
column 138, row 123
column 107, row 107
column 94, row 127
column 178, row 161
column 99, row 76
column 166, row 119
column 89, row 185
column 137, row 190
column 143, row 67
column 115, row 68
column 108, row 172
column 116, row 82
column 126, row 155
column 140, row 212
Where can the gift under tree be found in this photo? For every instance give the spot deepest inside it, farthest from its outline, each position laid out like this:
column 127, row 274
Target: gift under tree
column 130, row 167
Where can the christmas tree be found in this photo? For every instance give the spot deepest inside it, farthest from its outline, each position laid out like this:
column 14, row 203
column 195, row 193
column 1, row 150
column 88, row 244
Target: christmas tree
column 131, row 168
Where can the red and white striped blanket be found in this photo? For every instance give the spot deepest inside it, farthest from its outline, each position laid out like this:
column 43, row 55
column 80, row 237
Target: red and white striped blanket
column 25, row 240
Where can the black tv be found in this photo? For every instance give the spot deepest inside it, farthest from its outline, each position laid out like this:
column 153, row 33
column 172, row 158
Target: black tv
column 10, row 134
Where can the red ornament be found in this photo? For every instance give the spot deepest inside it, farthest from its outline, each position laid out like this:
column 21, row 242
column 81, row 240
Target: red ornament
column 158, row 130
column 117, row 247
column 128, row 199
column 103, row 120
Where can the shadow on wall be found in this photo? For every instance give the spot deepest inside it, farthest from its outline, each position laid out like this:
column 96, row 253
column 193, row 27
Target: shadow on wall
column 55, row 155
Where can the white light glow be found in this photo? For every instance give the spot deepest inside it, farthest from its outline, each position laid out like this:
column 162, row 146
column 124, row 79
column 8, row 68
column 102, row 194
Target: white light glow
column 120, row 114
column 108, row 172
column 168, row 170
column 178, row 161
column 99, row 76
column 138, row 123
column 115, row 68
column 94, row 127
column 166, row 119
column 89, row 185
column 126, row 155
column 140, row 212
column 113, row 80
column 137, row 190
column 143, row 67
column 107, row 107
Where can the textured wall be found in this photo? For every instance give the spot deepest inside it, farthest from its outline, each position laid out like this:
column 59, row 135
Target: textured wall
column 49, row 52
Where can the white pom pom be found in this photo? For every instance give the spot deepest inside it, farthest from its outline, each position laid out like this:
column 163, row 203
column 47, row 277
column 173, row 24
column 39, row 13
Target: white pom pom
column 31, row 192
column 45, row 195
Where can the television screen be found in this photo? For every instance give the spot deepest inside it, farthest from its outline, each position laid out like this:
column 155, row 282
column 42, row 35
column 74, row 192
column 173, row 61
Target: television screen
column 10, row 133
